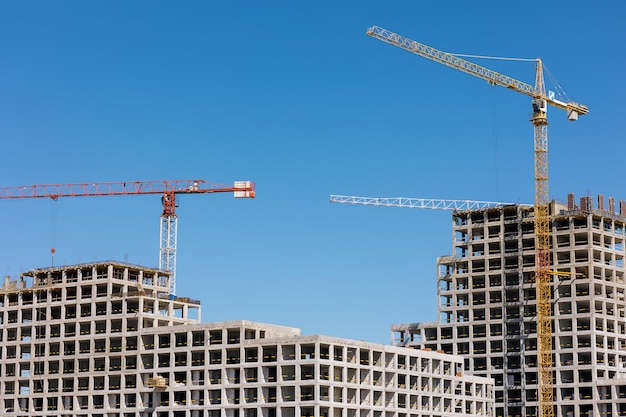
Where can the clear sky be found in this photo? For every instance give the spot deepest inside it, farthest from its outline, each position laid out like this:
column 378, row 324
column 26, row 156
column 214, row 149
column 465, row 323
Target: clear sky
column 294, row 96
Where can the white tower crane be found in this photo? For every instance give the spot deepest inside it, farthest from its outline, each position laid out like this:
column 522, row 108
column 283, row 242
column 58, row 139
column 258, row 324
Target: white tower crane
column 423, row 203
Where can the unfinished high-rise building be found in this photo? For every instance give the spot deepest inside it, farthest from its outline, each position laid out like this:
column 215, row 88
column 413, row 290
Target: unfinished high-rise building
column 487, row 306
column 108, row 340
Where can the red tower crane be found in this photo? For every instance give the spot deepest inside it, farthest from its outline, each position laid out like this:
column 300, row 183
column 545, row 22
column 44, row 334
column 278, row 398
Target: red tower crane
column 167, row 188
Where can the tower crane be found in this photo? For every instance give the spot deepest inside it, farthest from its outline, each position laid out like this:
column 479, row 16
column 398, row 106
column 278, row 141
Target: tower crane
column 540, row 101
column 422, row 203
column 168, row 190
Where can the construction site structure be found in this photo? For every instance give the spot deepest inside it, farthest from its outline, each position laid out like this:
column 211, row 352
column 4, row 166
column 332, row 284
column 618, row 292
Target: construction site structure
column 168, row 189
column 539, row 119
column 107, row 339
column 487, row 306
column 420, row 203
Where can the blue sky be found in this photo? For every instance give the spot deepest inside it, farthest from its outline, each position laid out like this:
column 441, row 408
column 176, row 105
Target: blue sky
column 293, row 96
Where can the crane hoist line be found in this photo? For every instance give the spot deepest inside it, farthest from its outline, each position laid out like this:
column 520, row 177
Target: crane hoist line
column 540, row 102
column 168, row 189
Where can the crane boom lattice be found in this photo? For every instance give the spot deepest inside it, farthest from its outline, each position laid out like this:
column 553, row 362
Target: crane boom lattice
column 421, row 203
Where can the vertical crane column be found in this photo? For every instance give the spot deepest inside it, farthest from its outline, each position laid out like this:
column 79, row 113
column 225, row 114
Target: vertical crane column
column 543, row 278
column 168, row 237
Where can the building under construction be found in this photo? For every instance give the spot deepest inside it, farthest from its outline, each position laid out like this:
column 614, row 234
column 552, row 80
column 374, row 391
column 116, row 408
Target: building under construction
column 487, row 306
column 109, row 340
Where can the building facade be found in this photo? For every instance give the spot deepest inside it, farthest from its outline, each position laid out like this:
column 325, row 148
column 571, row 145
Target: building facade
column 107, row 340
column 487, row 306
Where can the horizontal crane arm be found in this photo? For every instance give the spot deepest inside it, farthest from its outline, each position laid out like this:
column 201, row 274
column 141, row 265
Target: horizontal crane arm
column 54, row 191
column 422, row 203
column 471, row 68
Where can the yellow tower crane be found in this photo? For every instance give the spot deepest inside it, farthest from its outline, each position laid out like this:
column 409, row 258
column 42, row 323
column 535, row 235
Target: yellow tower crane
column 543, row 277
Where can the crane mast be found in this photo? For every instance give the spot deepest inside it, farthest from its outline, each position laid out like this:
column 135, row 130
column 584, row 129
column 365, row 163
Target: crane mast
column 543, row 278
column 167, row 188
column 168, row 237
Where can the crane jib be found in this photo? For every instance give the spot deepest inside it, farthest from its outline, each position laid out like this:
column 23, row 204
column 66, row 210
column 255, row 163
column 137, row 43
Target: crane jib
column 451, row 60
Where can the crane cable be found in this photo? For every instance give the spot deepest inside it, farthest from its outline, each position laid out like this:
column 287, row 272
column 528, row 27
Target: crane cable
column 53, row 228
column 560, row 91
column 496, row 156
column 494, row 115
column 500, row 58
